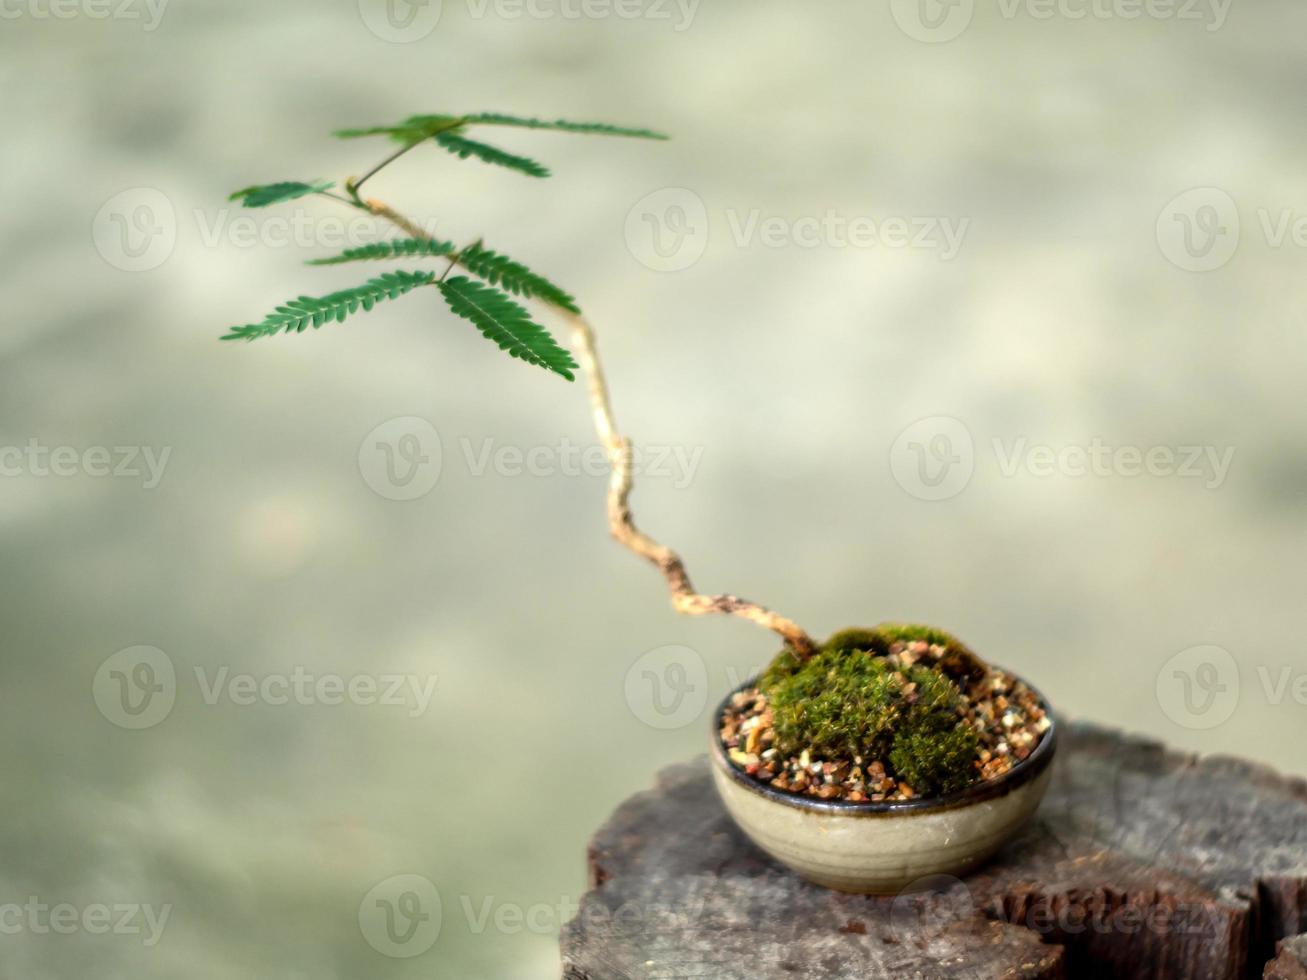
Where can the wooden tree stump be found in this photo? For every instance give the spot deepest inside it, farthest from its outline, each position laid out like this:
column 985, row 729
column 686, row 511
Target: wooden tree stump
column 1142, row 862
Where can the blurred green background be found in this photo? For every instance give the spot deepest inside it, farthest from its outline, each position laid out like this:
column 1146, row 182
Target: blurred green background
column 780, row 307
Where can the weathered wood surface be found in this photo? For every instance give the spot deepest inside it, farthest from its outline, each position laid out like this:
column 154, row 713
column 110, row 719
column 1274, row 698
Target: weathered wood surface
column 1291, row 963
column 1142, row 862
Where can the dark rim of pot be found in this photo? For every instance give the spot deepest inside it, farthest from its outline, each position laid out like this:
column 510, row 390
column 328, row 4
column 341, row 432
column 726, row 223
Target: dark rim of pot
column 1016, row 777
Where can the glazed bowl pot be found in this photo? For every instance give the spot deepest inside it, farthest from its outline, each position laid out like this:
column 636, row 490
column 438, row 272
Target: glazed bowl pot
column 881, row 848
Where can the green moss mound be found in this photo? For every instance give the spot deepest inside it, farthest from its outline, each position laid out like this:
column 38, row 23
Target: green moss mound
column 848, row 701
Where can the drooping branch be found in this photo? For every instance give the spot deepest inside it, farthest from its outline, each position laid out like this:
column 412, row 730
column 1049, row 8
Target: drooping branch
column 621, row 524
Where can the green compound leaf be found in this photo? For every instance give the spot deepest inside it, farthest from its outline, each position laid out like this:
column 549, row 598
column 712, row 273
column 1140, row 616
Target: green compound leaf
column 354, row 134
column 299, row 314
column 417, row 128
column 506, row 324
column 261, row 195
column 596, row 129
column 414, row 129
column 463, row 147
column 399, row 248
column 450, row 132
column 500, row 270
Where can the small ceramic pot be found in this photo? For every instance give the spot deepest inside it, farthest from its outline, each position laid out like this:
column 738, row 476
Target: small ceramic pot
column 880, row 848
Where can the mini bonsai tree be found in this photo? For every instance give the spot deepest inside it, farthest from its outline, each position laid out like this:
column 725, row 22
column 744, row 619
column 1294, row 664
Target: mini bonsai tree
column 869, row 715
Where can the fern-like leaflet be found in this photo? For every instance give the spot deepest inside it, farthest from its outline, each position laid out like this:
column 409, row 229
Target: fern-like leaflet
column 261, row 195
column 563, row 125
column 299, row 314
column 417, row 128
column 500, row 270
column 414, row 129
column 506, row 324
column 398, row 248
column 463, row 147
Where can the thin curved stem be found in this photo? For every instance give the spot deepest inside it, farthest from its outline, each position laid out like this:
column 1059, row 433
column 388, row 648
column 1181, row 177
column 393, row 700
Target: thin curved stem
column 354, row 185
column 621, row 524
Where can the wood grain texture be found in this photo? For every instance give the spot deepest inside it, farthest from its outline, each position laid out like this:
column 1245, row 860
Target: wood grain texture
column 1142, row 862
